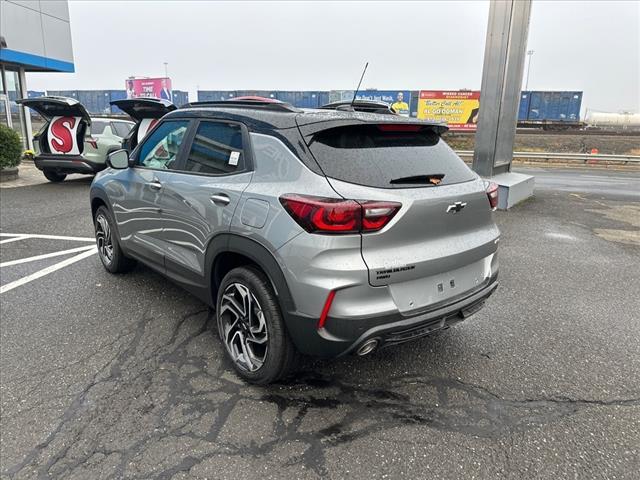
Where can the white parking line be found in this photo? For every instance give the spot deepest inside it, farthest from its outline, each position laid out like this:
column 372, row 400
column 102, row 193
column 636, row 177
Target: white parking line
column 22, row 236
column 45, row 271
column 45, row 255
column 12, row 239
column 85, row 251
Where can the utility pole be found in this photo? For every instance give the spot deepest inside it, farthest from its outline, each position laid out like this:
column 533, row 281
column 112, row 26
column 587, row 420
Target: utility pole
column 529, row 54
column 166, row 71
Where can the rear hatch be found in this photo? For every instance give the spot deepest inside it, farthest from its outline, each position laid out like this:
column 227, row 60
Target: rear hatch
column 438, row 244
column 146, row 112
column 66, row 125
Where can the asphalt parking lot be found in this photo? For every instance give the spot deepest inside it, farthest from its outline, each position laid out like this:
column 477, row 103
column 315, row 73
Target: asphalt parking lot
column 108, row 376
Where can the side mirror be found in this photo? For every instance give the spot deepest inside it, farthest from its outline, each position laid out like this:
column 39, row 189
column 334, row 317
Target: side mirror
column 118, row 159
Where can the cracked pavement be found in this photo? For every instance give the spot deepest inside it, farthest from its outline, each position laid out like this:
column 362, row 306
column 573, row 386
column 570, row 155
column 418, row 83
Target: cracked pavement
column 113, row 377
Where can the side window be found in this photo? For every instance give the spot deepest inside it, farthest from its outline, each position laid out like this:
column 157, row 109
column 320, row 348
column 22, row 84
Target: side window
column 160, row 149
column 216, row 149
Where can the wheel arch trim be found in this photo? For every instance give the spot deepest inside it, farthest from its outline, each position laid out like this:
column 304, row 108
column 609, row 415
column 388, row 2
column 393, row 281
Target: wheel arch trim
column 99, row 194
column 257, row 253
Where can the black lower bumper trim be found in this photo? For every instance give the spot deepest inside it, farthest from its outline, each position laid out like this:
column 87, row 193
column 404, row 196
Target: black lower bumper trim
column 344, row 336
column 71, row 164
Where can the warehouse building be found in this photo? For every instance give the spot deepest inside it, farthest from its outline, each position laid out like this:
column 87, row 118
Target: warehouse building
column 35, row 36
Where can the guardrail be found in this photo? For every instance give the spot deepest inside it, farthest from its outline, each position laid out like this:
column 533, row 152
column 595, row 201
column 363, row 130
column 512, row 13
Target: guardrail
column 584, row 157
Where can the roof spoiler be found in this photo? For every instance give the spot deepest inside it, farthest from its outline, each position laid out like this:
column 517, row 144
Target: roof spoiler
column 390, row 123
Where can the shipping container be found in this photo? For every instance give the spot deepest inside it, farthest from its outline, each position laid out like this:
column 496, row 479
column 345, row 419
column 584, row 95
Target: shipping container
column 303, row 98
column 538, row 107
column 215, row 95
column 117, row 95
column 323, row 98
column 63, row 93
column 256, row 93
column 96, row 101
column 340, row 95
column 297, row 98
column 180, row 97
column 523, row 109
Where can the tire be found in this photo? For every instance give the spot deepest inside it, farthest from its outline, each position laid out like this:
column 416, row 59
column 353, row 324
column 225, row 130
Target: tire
column 277, row 358
column 54, row 176
column 109, row 251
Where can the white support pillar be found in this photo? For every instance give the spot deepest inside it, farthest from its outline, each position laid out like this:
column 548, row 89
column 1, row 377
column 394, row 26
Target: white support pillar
column 26, row 113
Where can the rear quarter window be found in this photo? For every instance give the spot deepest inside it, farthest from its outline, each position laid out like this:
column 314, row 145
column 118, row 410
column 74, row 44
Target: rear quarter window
column 97, row 127
column 368, row 155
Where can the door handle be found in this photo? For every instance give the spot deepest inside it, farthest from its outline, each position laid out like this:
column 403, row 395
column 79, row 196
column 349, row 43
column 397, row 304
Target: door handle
column 155, row 185
column 220, row 199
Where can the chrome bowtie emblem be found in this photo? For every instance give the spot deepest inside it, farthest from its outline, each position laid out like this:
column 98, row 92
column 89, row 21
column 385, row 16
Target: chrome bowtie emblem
column 456, row 207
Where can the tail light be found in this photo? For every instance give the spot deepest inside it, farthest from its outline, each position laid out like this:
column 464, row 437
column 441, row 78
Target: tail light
column 93, row 142
column 334, row 215
column 492, row 193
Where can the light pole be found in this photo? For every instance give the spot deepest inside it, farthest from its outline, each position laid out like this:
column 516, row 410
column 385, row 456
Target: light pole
column 529, row 54
column 166, row 71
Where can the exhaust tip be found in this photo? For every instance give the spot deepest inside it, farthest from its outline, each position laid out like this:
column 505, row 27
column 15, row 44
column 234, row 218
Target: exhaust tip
column 367, row 347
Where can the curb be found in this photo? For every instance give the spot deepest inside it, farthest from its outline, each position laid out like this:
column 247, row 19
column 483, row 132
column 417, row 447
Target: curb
column 8, row 174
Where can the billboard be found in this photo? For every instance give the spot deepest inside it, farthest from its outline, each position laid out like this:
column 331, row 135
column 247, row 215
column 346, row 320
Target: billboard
column 149, row 87
column 457, row 108
column 398, row 99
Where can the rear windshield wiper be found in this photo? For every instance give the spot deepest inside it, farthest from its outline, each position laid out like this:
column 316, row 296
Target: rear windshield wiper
column 433, row 179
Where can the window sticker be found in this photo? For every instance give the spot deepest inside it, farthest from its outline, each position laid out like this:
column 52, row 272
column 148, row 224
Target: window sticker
column 233, row 158
column 63, row 135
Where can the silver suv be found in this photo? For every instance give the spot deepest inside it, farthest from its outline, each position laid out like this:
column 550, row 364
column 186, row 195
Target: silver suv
column 322, row 232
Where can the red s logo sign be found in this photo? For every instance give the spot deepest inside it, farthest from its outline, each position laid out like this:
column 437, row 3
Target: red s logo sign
column 61, row 129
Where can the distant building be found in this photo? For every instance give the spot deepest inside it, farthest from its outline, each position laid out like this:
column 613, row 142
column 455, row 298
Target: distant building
column 35, row 36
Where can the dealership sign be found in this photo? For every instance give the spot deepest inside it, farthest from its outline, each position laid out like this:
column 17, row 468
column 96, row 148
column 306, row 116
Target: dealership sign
column 458, row 109
column 149, row 88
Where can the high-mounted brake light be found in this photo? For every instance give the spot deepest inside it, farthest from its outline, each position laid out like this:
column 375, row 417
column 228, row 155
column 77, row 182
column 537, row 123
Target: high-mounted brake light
column 399, row 127
column 492, row 194
column 334, row 215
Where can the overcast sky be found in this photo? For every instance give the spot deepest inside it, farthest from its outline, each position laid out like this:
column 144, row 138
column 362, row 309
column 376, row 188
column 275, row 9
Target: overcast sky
column 590, row 46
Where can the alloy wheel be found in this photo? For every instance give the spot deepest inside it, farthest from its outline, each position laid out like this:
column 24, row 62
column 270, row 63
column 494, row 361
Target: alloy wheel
column 243, row 327
column 103, row 239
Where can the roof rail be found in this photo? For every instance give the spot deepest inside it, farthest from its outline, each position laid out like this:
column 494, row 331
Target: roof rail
column 368, row 106
column 266, row 104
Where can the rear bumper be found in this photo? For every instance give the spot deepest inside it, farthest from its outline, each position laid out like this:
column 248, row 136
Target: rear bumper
column 71, row 164
column 344, row 336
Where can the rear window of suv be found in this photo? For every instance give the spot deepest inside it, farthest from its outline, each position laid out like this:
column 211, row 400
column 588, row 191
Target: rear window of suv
column 388, row 156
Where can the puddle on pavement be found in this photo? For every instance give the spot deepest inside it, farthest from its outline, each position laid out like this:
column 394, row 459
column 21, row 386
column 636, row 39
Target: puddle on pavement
column 629, row 214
